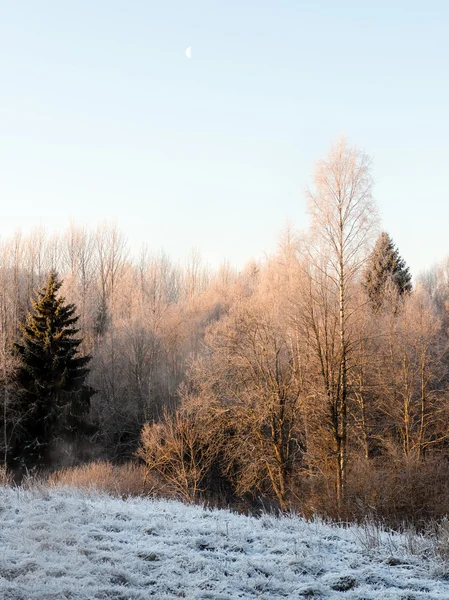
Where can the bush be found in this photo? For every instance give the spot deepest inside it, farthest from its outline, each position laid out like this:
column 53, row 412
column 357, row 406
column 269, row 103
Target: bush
column 405, row 491
column 123, row 480
column 181, row 451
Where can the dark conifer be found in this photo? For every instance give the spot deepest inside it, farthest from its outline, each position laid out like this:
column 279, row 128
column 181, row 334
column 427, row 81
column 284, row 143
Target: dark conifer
column 54, row 398
column 385, row 270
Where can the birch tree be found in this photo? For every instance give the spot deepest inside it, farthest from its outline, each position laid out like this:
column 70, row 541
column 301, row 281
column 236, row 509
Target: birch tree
column 344, row 217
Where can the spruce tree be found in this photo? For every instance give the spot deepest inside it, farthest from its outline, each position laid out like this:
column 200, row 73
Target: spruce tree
column 54, row 398
column 385, row 268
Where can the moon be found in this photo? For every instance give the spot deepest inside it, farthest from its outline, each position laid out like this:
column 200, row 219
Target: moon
column 189, row 52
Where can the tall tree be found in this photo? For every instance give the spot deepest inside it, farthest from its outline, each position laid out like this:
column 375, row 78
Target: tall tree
column 54, row 397
column 385, row 268
column 343, row 216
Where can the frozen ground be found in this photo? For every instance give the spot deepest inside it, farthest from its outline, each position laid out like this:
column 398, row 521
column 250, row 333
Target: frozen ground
column 57, row 544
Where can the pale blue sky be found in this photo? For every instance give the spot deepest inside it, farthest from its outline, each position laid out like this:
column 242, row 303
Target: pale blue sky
column 102, row 116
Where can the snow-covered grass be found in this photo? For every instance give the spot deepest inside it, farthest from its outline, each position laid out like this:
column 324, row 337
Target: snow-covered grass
column 58, row 543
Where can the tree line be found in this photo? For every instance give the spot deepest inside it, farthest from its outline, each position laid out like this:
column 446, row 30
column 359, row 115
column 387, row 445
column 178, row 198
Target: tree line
column 315, row 379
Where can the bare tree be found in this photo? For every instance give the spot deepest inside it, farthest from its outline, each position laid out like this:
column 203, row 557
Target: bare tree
column 254, row 385
column 413, row 377
column 181, row 450
column 343, row 220
column 35, row 258
column 112, row 251
column 9, row 420
column 196, row 274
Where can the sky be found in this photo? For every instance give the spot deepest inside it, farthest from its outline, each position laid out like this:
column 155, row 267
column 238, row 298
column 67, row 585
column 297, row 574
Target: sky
column 104, row 118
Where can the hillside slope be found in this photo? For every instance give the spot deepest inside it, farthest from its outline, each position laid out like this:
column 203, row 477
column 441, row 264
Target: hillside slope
column 57, row 544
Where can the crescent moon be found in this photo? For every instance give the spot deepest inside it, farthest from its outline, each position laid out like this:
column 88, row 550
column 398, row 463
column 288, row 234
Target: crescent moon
column 189, row 52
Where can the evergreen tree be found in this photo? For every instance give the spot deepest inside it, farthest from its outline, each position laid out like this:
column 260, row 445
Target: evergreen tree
column 385, row 268
column 54, row 398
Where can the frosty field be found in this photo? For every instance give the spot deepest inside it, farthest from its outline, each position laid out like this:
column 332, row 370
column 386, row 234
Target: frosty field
column 62, row 543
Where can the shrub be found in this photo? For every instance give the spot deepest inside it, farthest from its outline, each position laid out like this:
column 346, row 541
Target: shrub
column 181, row 451
column 123, row 480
